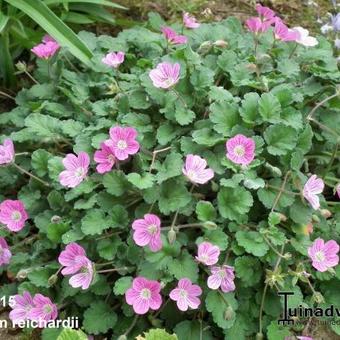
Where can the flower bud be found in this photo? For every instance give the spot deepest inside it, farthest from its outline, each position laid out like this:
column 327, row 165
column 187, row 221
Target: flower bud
column 21, row 66
column 287, row 256
column 205, row 47
column 55, row 219
column 214, row 186
column 52, row 280
column 210, row 225
column 259, row 336
column 326, row 213
column 315, row 218
column 171, row 236
column 251, row 67
column 229, row 313
column 22, row 274
column 318, row 298
column 283, row 218
column 221, row 43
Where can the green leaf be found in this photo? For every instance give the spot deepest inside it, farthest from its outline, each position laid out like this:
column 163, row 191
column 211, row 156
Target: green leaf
column 205, row 211
column 219, row 94
column 158, row 334
column 202, row 77
column 252, row 242
column 46, row 19
column 217, row 304
column 183, row 115
column 249, row 109
column 95, row 2
column 99, row 318
column 171, row 167
column 141, row 182
column 40, row 159
column 43, row 126
column 280, row 139
column 268, row 195
column 248, row 269
column 191, row 330
column 94, row 222
column 40, row 277
column 173, row 195
column 72, row 334
column 56, row 230
column 115, row 183
column 300, row 213
column 216, row 237
column 275, row 331
column 122, row 285
column 234, row 203
column 184, row 266
column 224, row 116
column 269, row 107
column 107, row 248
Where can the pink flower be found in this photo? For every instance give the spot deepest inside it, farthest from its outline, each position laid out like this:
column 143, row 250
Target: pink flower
column 144, row 295
column 337, row 189
column 195, row 170
column 148, row 232
column 47, row 48
column 75, row 261
column 208, row 253
column 22, row 307
column 105, row 158
column 165, row 75
column 47, row 38
column 114, row 59
column 43, row 309
column 311, row 189
column 190, row 21
column 172, row 37
column 304, row 338
column 71, row 257
column 265, row 12
column 185, row 294
column 84, row 277
column 323, row 255
column 13, row 214
column 222, row 277
column 256, row 25
column 76, row 169
column 5, row 253
column 123, row 142
column 282, row 32
column 240, row 149
column 7, row 153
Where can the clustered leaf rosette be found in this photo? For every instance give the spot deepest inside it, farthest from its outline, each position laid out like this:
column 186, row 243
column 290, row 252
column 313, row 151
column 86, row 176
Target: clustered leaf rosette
column 209, row 140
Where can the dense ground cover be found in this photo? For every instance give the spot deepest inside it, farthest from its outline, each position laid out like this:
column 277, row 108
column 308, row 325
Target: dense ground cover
column 178, row 183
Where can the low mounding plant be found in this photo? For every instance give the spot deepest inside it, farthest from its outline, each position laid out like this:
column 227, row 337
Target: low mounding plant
column 178, row 183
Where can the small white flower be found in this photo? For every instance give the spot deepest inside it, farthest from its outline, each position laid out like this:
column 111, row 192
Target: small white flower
column 305, row 39
column 326, row 28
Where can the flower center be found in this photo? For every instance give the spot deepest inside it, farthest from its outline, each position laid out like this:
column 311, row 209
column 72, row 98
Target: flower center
column 111, row 158
column 239, row 150
column 320, row 256
column 79, row 172
column 183, row 293
column 152, row 229
column 168, row 81
column 191, row 174
column 47, row 309
column 145, row 293
column 121, row 145
column 222, row 274
column 16, row 216
column 204, row 258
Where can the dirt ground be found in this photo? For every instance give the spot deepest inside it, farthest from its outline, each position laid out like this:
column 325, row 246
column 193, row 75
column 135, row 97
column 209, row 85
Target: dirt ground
column 296, row 12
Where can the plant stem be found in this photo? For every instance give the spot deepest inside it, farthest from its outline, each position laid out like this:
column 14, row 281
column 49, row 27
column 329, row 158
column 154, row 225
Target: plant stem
column 265, row 291
column 277, row 198
column 113, row 270
column 4, row 94
column 163, row 306
column 154, row 155
column 132, row 325
column 182, row 226
column 22, row 154
column 31, row 77
column 283, row 191
column 331, row 161
column 294, row 49
column 180, row 98
column 310, row 114
column 323, row 127
column 30, row 174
